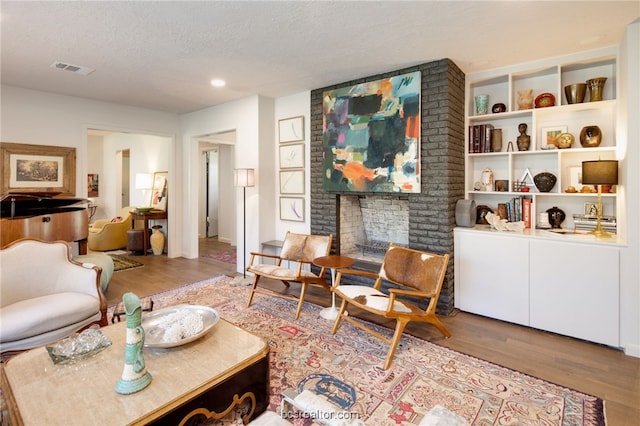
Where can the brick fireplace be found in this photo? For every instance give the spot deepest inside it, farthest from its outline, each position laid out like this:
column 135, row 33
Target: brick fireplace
column 423, row 221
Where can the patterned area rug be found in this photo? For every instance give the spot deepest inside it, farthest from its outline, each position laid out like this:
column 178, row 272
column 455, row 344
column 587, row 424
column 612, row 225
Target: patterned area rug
column 121, row 263
column 225, row 256
column 348, row 366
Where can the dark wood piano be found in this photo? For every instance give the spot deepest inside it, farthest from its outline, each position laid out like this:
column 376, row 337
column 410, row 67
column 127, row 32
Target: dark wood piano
column 48, row 218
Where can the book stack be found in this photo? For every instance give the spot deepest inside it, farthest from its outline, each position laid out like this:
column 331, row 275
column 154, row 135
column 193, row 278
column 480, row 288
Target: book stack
column 480, row 138
column 519, row 209
column 588, row 223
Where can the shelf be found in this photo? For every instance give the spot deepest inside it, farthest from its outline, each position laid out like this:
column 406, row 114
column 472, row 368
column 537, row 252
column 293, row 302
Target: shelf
column 542, row 125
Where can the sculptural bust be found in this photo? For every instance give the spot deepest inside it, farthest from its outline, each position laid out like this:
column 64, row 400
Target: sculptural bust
column 524, row 140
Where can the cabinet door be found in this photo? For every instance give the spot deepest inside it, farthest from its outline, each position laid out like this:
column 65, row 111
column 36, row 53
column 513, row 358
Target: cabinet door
column 492, row 275
column 575, row 290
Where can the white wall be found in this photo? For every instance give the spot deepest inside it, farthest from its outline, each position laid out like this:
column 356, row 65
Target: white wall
column 41, row 118
column 629, row 122
column 244, row 116
column 287, row 107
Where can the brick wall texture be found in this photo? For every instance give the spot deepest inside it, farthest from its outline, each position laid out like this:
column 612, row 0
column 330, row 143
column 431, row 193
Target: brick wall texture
column 431, row 212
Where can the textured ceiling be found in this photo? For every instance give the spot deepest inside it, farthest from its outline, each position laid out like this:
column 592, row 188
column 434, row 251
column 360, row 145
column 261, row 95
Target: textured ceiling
column 162, row 54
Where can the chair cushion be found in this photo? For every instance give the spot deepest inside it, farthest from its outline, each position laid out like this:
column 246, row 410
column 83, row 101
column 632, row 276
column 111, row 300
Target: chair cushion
column 370, row 297
column 293, row 246
column 45, row 313
column 279, row 272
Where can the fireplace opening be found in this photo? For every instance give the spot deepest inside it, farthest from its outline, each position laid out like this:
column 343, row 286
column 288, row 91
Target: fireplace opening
column 368, row 223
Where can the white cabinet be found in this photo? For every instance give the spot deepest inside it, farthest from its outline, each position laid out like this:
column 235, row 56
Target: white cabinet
column 492, row 276
column 548, row 76
column 559, row 286
column 574, row 290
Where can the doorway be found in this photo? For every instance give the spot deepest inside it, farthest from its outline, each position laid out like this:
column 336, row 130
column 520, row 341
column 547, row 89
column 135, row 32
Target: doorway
column 210, row 158
column 217, row 193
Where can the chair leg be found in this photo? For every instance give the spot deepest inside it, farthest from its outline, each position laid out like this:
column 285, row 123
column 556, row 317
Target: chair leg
column 303, row 292
column 336, row 325
column 253, row 289
column 437, row 324
column 400, row 325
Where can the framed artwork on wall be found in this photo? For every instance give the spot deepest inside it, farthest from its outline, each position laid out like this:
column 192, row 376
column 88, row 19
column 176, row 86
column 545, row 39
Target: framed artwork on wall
column 159, row 191
column 93, row 186
column 371, row 136
column 291, row 129
column 292, row 208
column 292, row 182
column 292, row 156
column 42, row 169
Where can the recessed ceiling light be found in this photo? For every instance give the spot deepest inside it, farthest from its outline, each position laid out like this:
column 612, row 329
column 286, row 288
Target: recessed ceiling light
column 216, row 82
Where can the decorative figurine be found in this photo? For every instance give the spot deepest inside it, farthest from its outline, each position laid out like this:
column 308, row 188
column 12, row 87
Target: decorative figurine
column 134, row 376
column 523, row 140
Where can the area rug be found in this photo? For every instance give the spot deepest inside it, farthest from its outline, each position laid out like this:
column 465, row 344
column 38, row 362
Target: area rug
column 423, row 375
column 228, row 256
column 121, row 263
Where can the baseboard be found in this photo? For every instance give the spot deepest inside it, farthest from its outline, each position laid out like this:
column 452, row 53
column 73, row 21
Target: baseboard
column 632, row 350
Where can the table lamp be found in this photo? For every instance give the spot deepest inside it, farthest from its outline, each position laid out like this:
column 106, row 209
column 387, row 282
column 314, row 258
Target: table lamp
column 600, row 172
column 244, row 178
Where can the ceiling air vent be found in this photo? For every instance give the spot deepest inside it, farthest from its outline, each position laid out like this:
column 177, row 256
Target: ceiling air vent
column 76, row 69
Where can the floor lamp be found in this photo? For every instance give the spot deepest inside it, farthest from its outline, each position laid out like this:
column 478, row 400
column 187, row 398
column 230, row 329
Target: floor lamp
column 600, row 172
column 243, row 178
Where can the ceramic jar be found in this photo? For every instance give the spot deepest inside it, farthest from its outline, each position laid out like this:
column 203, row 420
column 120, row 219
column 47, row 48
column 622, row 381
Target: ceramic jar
column 496, row 140
column 525, row 99
column 590, row 136
column 157, row 240
column 486, row 180
column 556, row 216
column 544, row 181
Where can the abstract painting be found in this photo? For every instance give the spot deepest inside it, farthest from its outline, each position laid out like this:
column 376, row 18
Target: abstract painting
column 371, row 136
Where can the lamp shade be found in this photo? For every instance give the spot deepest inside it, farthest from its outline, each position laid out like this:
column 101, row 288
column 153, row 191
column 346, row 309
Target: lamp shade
column 243, row 177
column 600, row 172
column 144, row 180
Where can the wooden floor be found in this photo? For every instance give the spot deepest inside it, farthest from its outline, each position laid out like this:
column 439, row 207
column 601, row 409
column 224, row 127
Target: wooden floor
column 589, row 368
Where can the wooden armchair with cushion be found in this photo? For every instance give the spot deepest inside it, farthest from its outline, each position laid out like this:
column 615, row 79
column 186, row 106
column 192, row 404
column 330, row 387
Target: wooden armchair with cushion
column 298, row 251
column 110, row 234
column 417, row 274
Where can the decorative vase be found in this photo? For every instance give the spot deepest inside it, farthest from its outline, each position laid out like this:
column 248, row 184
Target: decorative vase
column 482, row 104
column 496, row 140
column 523, row 140
column 556, row 217
column 590, row 136
column 575, row 93
column 525, row 99
column 564, row 140
column 544, row 181
column 596, row 87
column 157, row 239
column 135, row 376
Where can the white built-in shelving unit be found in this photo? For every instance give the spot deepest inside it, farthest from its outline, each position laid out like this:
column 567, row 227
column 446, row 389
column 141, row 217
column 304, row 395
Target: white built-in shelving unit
column 538, row 278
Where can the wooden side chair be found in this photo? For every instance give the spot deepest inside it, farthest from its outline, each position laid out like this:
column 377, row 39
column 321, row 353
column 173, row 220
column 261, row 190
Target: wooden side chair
column 418, row 274
column 298, row 250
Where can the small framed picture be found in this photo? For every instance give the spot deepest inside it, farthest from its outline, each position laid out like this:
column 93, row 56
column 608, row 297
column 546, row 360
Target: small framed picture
column 549, row 134
column 501, row 185
column 591, row 209
column 292, row 182
column 575, row 177
column 291, row 129
column 292, row 208
column 292, row 156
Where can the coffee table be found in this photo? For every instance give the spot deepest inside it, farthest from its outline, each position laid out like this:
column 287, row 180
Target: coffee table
column 332, row 262
column 204, row 378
